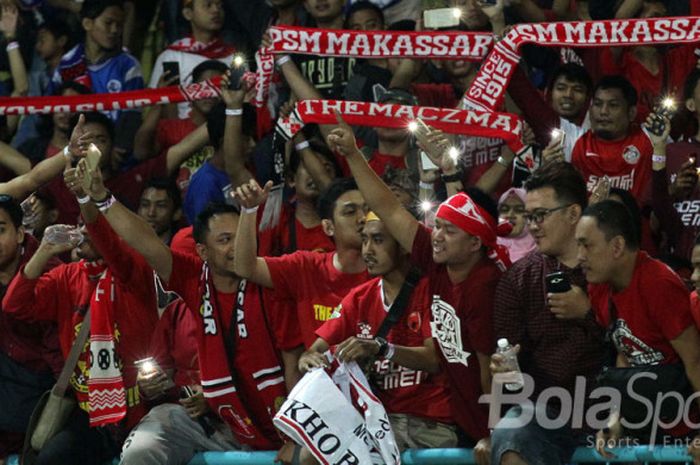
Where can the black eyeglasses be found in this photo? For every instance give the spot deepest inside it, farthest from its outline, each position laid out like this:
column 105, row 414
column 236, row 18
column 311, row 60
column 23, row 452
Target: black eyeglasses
column 540, row 214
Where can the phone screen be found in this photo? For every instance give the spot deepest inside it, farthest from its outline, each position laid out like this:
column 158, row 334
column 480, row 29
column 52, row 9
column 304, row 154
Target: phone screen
column 170, row 69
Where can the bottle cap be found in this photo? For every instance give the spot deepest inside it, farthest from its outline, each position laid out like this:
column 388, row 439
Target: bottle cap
column 503, row 343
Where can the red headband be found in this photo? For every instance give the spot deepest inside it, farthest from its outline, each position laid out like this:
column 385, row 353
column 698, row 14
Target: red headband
column 471, row 218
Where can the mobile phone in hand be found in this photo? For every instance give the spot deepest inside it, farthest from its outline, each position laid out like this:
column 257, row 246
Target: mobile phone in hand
column 171, row 69
column 441, row 18
column 557, row 282
column 235, row 76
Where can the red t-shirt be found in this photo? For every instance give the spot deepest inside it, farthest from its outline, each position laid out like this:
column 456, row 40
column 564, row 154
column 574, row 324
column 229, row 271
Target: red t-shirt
column 170, row 132
column 126, row 187
column 317, row 287
column 401, row 389
column 652, row 311
column 185, row 280
column 380, row 162
column 626, row 162
column 277, row 240
column 183, row 242
column 64, row 294
column 462, row 324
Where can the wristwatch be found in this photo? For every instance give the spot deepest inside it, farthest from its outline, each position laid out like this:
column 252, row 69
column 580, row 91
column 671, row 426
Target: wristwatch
column 452, row 177
column 383, row 346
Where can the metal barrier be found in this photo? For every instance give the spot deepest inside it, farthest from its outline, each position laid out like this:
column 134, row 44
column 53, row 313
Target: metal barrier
column 662, row 454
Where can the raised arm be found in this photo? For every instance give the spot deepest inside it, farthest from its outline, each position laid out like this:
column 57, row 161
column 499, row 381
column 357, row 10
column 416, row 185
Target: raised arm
column 234, row 155
column 21, row 186
column 179, row 152
column 13, row 160
column 246, row 263
column 18, row 70
column 132, row 228
column 401, row 224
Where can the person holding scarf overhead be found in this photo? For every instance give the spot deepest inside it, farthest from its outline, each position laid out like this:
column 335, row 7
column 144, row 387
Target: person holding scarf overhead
column 463, row 262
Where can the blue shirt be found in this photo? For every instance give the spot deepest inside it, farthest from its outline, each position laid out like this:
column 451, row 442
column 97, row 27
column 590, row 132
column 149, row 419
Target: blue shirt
column 209, row 184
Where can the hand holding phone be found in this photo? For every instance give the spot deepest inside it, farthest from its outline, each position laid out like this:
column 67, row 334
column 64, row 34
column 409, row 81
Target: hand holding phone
column 172, row 69
column 557, row 282
column 441, row 18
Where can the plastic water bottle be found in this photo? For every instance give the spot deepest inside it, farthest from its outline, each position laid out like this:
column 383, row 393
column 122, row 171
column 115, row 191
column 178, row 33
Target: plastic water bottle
column 510, row 363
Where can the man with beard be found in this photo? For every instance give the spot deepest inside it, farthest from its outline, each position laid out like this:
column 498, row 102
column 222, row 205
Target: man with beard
column 614, row 146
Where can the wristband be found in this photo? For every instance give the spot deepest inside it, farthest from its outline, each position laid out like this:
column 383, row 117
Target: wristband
column 106, row 204
column 302, row 145
column 426, row 185
column 503, row 162
column 282, row 60
column 12, row 46
column 66, row 152
column 658, row 158
column 83, row 200
column 456, row 177
column 390, row 351
column 249, row 210
column 234, row 111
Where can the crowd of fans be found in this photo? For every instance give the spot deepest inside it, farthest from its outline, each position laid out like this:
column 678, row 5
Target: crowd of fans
column 233, row 261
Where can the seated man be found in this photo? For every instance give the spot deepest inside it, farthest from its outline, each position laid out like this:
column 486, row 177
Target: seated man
column 406, row 369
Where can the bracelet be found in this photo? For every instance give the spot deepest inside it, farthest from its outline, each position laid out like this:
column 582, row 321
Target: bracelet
column 426, row 185
column 12, row 46
column 302, row 145
column 390, row 351
column 282, row 60
column 83, row 200
column 656, row 158
column 106, row 204
column 234, row 111
column 456, row 177
column 502, row 161
column 249, row 210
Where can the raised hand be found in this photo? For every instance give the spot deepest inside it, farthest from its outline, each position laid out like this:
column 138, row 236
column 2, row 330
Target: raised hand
column 342, row 138
column 251, row 195
column 91, row 180
column 80, row 138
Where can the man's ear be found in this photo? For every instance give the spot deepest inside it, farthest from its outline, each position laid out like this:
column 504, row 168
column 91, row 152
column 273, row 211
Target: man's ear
column 202, row 251
column 618, row 246
column 574, row 214
column 53, row 215
column 328, row 227
column 690, row 105
column 187, row 13
column 632, row 113
column 177, row 215
column 20, row 235
column 87, row 24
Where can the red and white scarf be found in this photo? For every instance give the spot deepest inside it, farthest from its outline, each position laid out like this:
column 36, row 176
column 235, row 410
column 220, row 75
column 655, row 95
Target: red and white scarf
column 470, row 217
column 106, row 392
column 219, row 385
column 214, row 50
column 504, row 126
column 490, row 84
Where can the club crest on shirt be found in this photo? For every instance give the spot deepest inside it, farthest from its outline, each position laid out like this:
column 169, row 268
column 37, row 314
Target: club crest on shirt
column 114, row 86
column 364, row 330
column 631, row 154
column 447, row 329
column 414, row 322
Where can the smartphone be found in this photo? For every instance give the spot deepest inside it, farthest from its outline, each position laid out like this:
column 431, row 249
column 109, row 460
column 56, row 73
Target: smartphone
column 557, row 282
column 441, row 18
column 657, row 126
column 236, row 73
column 170, row 69
column 148, row 366
column 559, row 135
column 93, row 157
column 426, row 163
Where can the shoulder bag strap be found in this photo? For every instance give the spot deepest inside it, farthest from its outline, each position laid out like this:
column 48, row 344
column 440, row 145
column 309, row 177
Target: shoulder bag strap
column 73, row 356
column 399, row 305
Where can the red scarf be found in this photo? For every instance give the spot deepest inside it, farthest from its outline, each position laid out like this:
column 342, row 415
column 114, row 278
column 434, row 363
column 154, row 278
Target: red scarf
column 217, row 369
column 504, row 126
column 213, row 50
column 106, row 392
column 490, row 84
column 471, row 218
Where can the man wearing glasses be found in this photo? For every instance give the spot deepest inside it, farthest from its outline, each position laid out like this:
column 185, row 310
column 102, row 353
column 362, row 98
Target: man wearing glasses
column 554, row 348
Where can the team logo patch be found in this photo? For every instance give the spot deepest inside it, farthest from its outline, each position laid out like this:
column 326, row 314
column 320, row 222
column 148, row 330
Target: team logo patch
column 364, row 330
column 114, row 86
column 631, row 154
column 414, row 322
column 447, row 329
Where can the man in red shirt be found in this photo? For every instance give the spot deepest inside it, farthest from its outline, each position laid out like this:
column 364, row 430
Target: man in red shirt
column 316, row 281
column 405, row 366
column 614, row 147
column 63, row 295
column 241, row 372
column 462, row 280
column 650, row 303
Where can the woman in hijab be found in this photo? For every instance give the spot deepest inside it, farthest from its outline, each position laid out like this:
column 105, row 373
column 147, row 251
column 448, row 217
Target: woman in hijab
column 511, row 207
